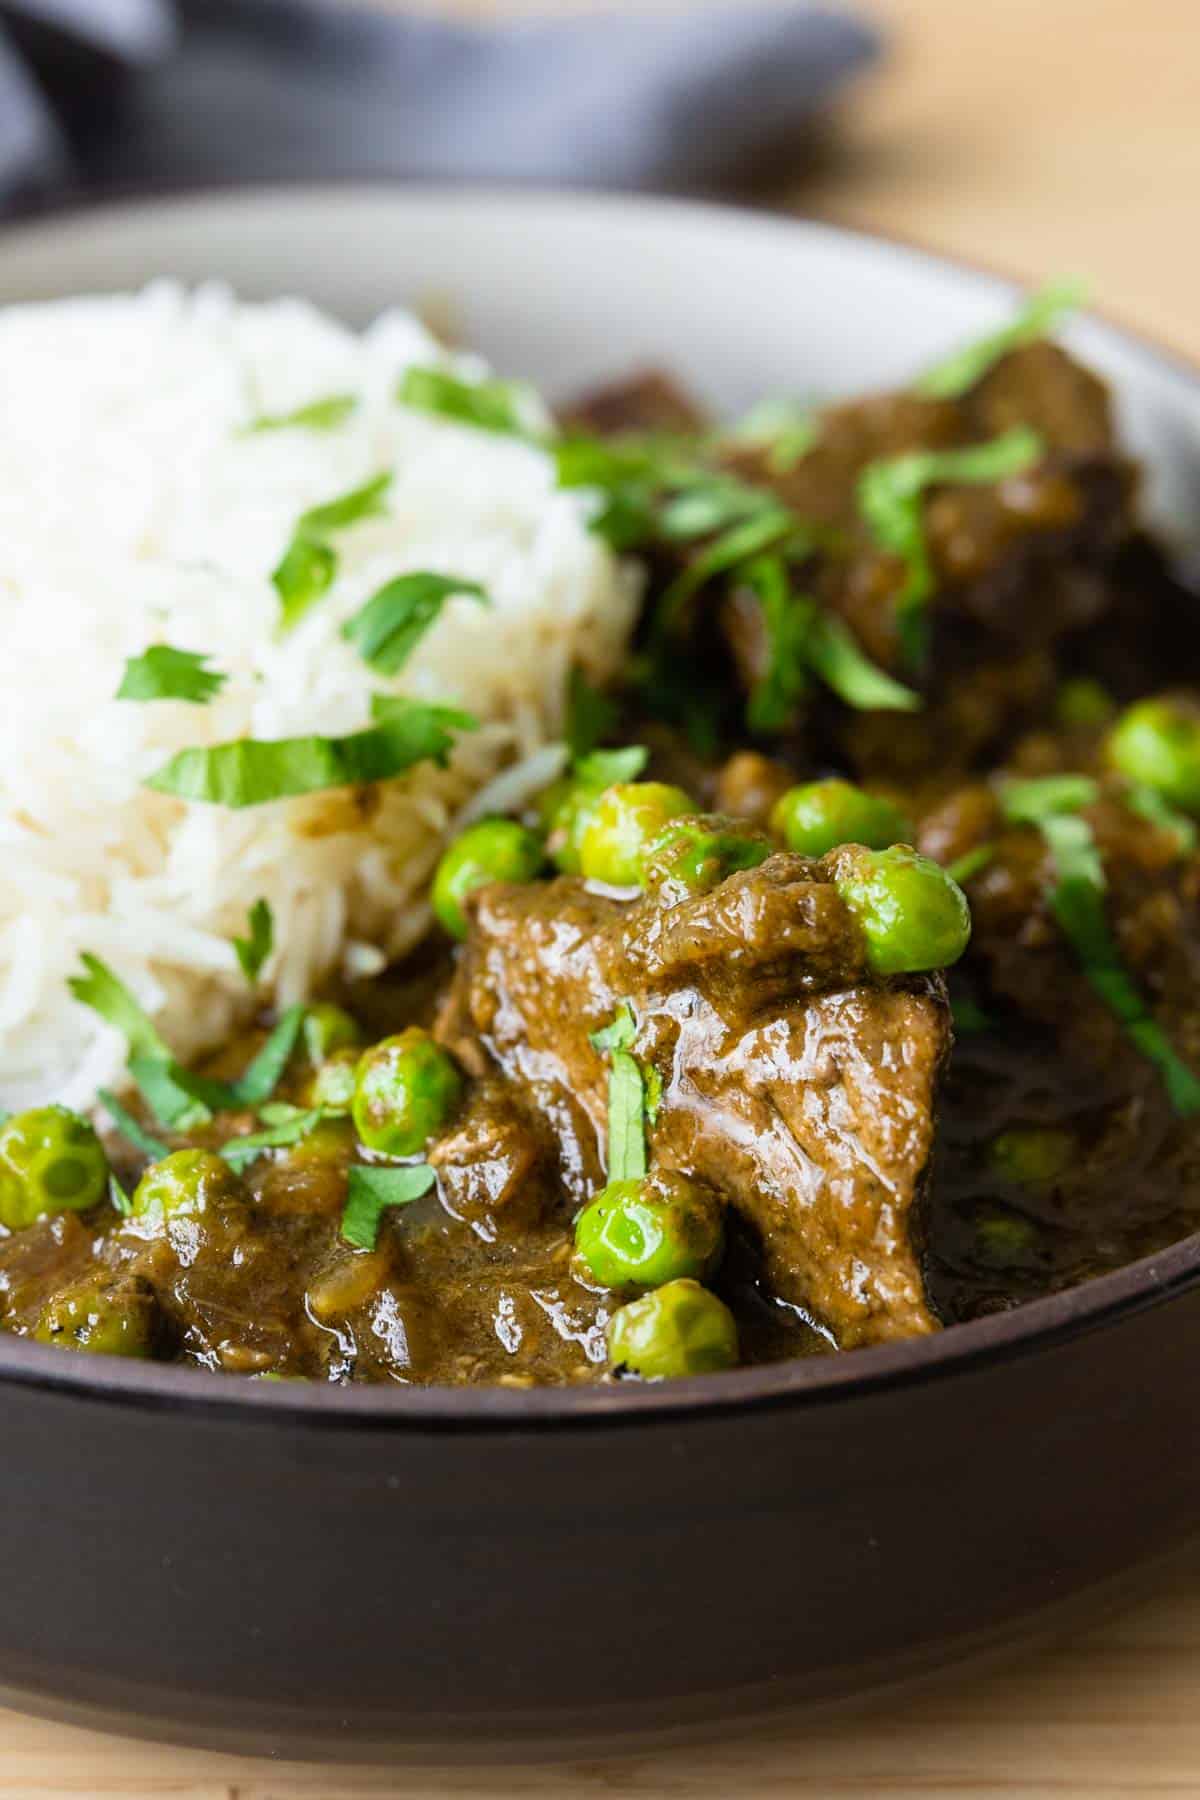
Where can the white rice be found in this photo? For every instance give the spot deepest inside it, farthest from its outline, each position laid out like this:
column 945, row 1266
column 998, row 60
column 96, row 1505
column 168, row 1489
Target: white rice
column 133, row 512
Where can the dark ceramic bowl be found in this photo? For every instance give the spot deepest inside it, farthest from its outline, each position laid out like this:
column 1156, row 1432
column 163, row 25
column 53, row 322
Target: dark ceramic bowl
column 479, row 1573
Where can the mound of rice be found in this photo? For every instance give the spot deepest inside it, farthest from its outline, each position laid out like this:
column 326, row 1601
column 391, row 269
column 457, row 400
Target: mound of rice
column 135, row 510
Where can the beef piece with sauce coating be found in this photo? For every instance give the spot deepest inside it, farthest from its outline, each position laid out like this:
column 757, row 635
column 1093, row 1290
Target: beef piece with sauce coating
column 793, row 1082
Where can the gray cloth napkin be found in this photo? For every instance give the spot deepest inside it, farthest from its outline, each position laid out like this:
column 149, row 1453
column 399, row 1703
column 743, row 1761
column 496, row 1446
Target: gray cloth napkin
column 120, row 94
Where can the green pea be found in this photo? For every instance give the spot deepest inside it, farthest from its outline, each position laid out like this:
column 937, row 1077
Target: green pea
column 1082, row 703
column 1033, row 1155
column 622, row 825
column 405, row 1090
column 332, row 1084
column 183, row 1185
column 1004, row 1237
column 109, row 1317
column 564, row 809
column 679, row 1329
column 649, row 1232
column 912, row 914
column 1157, row 742
column 51, row 1161
column 493, row 850
column 693, row 856
column 819, row 816
column 328, row 1029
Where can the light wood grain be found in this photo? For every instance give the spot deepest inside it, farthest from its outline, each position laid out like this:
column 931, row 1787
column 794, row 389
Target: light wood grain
column 1036, row 135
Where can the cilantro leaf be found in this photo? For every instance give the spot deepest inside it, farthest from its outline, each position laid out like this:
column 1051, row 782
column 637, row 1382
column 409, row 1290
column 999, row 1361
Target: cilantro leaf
column 610, row 464
column 265, row 1072
column 325, row 414
column 788, row 622
column 389, row 627
column 302, row 576
column 590, row 715
column 307, row 568
column 764, row 529
column 107, row 995
column 841, row 665
column 489, row 405
column 971, row 863
column 626, row 1097
column 963, row 368
column 163, row 673
column 783, row 430
column 151, row 1147
column 253, row 951
column 709, row 503
column 150, row 1062
column 1032, row 802
column 254, row 771
column 619, row 1033
column 1077, row 902
column 605, row 768
column 1078, row 905
column 890, row 495
column 178, row 1099
column 371, row 1191
column 240, row 1152
column 365, row 502
column 626, row 1121
column 1150, row 805
column 802, row 641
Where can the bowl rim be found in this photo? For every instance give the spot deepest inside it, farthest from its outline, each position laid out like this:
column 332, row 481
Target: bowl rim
column 1027, row 1329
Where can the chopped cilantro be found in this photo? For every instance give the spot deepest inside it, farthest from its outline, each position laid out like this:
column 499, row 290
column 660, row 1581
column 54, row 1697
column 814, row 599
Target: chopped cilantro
column 307, row 567
column 489, row 405
column 1077, row 901
column 961, row 370
column 387, row 630
column 1151, row 805
column 1032, row 802
column 254, row 771
column 240, row 1152
column 626, row 1097
column 178, row 1098
column 253, row 951
column 605, row 768
column 371, row 1191
column 325, row 414
column 151, row 1147
column 841, row 665
column 106, row 994
column 783, row 430
column 890, row 495
column 118, row 1198
column 163, row 673
column 365, row 502
column 970, row 863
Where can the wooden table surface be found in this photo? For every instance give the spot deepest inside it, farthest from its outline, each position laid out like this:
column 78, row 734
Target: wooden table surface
column 1038, row 136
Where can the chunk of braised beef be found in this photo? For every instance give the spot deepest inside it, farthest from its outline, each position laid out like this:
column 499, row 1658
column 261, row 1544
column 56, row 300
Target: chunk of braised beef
column 647, row 401
column 492, row 1165
column 796, row 1085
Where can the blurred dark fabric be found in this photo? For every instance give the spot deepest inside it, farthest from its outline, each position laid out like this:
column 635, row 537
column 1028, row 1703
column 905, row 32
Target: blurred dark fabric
column 99, row 95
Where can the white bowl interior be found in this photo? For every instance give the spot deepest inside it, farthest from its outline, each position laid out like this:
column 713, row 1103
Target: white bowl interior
column 569, row 289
